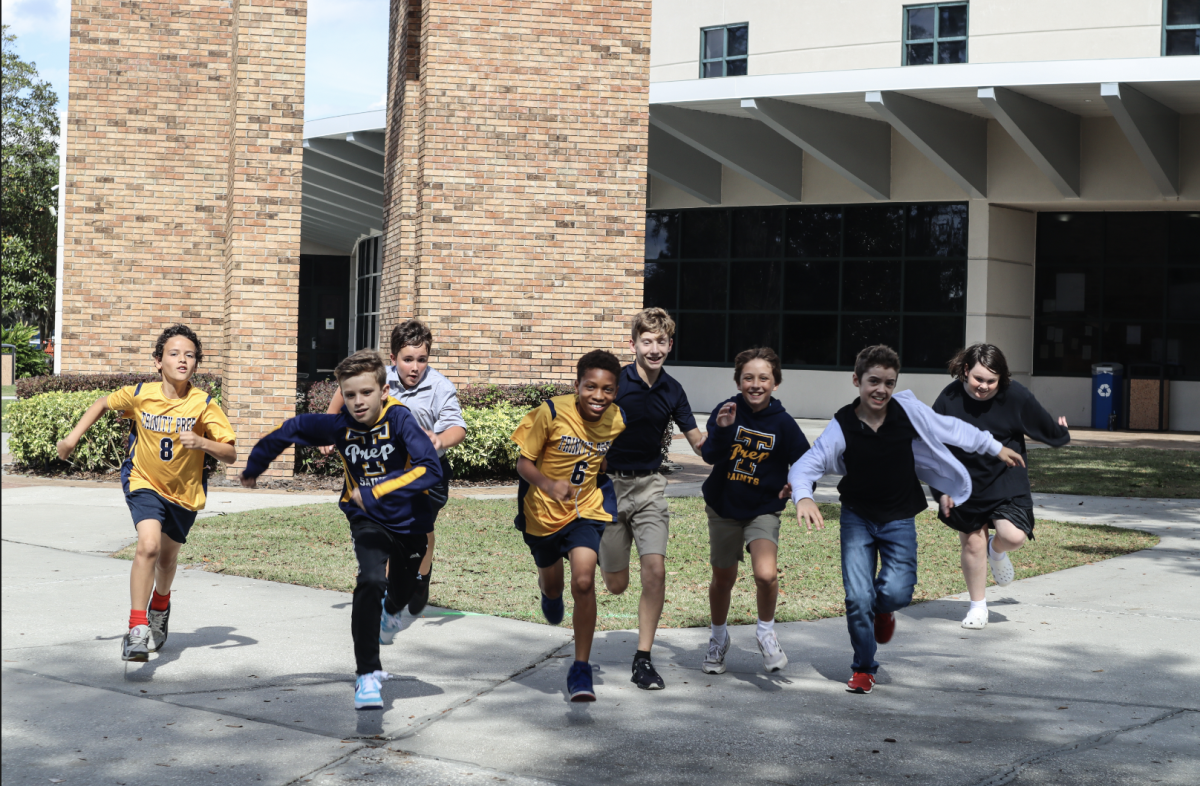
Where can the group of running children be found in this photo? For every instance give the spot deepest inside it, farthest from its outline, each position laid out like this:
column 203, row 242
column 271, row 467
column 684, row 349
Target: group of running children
column 591, row 485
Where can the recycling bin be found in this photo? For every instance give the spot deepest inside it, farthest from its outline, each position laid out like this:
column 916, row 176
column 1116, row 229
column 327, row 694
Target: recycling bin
column 1106, row 395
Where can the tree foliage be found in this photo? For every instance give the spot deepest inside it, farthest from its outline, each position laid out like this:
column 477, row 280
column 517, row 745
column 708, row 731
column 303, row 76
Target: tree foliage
column 30, row 172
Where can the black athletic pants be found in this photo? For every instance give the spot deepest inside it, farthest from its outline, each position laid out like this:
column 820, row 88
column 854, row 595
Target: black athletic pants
column 374, row 546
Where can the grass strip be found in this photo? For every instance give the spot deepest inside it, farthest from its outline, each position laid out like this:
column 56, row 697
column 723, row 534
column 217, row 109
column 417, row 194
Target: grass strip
column 1116, row 472
column 482, row 566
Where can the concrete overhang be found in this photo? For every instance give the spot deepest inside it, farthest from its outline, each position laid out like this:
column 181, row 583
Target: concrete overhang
column 343, row 179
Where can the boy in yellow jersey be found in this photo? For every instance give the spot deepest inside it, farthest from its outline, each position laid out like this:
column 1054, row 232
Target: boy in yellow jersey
column 564, row 500
column 174, row 426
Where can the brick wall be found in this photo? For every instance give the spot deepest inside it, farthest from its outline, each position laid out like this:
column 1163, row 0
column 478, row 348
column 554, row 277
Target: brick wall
column 528, row 162
column 178, row 208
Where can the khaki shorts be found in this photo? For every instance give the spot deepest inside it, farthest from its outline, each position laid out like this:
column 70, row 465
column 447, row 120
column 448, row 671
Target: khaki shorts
column 642, row 518
column 728, row 538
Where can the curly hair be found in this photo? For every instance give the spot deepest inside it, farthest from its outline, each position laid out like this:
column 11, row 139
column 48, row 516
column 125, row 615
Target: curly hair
column 601, row 359
column 987, row 355
column 652, row 320
column 757, row 353
column 172, row 332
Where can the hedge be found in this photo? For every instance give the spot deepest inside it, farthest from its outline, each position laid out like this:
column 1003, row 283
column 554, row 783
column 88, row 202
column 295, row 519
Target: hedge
column 309, row 461
column 66, row 383
column 488, row 447
column 37, row 424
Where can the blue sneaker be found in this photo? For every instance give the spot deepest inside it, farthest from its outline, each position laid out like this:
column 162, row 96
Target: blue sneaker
column 553, row 609
column 366, row 691
column 391, row 624
column 579, row 682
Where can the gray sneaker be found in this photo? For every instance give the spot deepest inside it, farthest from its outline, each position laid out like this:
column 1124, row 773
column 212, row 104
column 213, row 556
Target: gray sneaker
column 773, row 657
column 158, row 627
column 136, row 644
column 714, row 661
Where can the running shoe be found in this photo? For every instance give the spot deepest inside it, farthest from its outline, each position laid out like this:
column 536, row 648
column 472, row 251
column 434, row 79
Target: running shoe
column 714, row 661
column 367, row 695
column 579, row 682
column 976, row 619
column 420, row 596
column 391, row 624
column 1002, row 568
column 136, row 644
column 885, row 626
column 553, row 609
column 861, row 682
column 645, row 676
column 158, row 627
column 773, row 657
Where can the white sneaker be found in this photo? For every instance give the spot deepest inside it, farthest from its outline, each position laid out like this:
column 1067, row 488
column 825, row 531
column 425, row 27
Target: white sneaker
column 391, row 624
column 1002, row 569
column 773, row 657
column 714, row 661
column 976, row 619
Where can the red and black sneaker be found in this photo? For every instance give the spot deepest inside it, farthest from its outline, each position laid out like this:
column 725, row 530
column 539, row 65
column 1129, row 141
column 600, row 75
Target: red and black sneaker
column 861, row 682
column 885, row 626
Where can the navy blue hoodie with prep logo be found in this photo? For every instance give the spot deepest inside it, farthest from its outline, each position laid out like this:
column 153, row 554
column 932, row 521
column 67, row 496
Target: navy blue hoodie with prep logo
column 750, row 459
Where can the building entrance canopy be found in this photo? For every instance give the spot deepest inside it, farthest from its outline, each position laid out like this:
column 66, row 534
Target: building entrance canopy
column 342, row 196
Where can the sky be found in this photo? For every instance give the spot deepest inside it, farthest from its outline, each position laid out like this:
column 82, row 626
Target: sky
column 345, row 68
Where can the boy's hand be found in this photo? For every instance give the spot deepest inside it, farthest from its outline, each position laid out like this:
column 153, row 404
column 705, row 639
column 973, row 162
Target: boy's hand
column 727, row 414
column 1062, row 421
column 326, row 449
column 809, row 514
column 250, row 483
column 1011, row 457
column 947, row 503
column 66, row 446
column 435, row 439
column 559, row 490
column 786, row 491
column 191, row 440
column 356, row 498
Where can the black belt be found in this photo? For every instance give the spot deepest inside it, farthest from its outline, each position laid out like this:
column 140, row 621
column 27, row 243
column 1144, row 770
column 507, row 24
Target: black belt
column 634, row 473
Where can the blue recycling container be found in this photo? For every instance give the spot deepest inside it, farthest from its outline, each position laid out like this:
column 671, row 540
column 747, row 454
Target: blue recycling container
column 1106, row 395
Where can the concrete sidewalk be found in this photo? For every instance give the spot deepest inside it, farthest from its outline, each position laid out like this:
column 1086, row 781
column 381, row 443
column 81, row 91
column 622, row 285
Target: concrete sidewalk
column 1085, row 676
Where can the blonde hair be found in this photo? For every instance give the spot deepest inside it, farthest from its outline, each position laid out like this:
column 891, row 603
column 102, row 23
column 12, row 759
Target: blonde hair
column 653, row 320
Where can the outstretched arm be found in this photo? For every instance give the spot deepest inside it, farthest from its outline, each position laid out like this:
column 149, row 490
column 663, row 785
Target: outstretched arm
column 304, row 430
column 66, row 446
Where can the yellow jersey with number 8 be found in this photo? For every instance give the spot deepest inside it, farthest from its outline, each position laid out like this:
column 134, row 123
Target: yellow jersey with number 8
column 564, row 446
column 156, row 459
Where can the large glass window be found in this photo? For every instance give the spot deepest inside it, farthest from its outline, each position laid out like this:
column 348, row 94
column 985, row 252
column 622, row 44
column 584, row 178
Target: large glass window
column 935, row 33
column 366, row 312
column 724, row 50
column 816, row 283
column 1181, row 27
column 1117, row 288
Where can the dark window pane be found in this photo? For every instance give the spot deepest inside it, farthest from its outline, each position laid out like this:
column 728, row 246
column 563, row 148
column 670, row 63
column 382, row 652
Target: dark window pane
column 809, row 340
column 1183, row 351
column 814, row 231
column 1068, row 348
column 1183, row 42
column 952, row 21
column 757, row 232
column 920, row 23
column 930, row 342
column 937, row 231
column 752, row 330
column 1183, row 12
column 1134, row 342
column 738, row 41
column 935, row 286
column 859, row 332
column 735, row 67
column 662, row 235
column 1135, row 238
column 1070, row 237
column 755, row 286
column 706, row 234
column 1183, row 231
column 715, row 68
column 871, row 286
column 659, row 288
column 1134, row 291
column 714, row 43
column 952, row 52
column 1067, row 289
column 919, row 54
column 701, row 338
column 811, row 286
column 874, row 230
column 1183, row 294
column 702, row 285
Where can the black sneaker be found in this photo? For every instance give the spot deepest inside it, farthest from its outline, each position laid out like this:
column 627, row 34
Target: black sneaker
column 158, row 627
column 136, row 644
column 420, row 596
column 645, row 677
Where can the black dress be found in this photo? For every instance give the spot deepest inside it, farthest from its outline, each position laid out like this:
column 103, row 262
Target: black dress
column 998, row 491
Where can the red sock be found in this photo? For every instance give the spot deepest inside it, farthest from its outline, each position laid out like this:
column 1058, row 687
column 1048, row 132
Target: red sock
column 136, row 618
column 160, row 602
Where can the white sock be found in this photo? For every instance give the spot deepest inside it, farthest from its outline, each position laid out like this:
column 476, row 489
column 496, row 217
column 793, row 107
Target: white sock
column 765, row 627
column 718, row 631
column 979, row 604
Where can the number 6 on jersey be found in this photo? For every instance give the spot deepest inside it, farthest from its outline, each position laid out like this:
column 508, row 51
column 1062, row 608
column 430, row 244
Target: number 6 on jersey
column 579, row 473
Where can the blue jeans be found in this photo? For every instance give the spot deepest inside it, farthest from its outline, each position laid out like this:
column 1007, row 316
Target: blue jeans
column 867, row 594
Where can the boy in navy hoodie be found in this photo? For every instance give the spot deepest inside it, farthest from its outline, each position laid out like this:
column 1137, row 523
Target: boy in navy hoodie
column 751, row 443
column 389, row 463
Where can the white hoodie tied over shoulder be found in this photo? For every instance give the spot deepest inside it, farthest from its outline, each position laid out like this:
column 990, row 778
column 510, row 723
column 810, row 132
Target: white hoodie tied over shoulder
column 935, row 464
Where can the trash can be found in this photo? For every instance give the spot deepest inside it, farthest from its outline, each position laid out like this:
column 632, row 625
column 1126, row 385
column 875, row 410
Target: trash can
column 1106, row 395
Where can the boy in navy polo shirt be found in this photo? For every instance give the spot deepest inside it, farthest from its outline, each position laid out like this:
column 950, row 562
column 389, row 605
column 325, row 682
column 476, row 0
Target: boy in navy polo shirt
column 650, row 399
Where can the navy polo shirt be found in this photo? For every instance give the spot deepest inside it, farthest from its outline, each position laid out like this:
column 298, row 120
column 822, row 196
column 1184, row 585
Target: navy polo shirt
column 647, row 412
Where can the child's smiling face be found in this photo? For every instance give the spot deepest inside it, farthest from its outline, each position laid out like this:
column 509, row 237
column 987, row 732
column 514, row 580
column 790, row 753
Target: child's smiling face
column 756, row 383
column 596, row 388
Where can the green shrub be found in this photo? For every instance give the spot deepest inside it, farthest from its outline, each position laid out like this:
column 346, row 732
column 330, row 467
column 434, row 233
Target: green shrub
column 315, row 399
column 66, row 383
column 488, row 447
column 37, row 423
column 29, row 360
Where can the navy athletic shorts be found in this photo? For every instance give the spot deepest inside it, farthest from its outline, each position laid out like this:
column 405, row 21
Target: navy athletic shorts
column 549, row 549
column 147, row 504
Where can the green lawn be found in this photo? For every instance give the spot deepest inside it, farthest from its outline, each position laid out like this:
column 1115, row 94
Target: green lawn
column 483, row 566
column 1116, row 472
